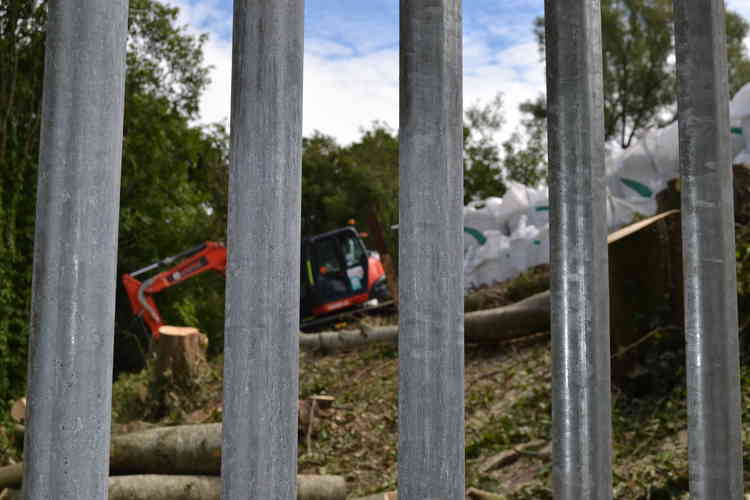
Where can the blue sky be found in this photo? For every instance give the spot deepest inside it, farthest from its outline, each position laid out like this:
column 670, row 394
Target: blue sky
column 351, row 59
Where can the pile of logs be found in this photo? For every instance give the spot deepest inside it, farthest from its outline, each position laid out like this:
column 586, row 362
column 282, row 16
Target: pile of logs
column 169, row 463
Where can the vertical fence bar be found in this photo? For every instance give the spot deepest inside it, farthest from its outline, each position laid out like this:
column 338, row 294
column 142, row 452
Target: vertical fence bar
column 714, row 433
column 75, row 254
column 578, row 236
column 261, row 352
column 431, row 390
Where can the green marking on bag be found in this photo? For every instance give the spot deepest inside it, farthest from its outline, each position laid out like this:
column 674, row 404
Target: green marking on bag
column 736, row 130
column 537, row 242
column 476, row 234
column 542, row 209
column 637, row 187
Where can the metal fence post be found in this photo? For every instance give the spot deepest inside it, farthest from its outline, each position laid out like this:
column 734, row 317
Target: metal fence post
column 431, row 343
column 75, row 255
column 714, row 432
column 578, row 245
column 261, row 352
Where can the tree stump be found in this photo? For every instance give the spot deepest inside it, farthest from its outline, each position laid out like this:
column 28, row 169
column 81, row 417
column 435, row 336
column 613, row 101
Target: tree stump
column 178, row 362
column 645, row 277
column 179, row 352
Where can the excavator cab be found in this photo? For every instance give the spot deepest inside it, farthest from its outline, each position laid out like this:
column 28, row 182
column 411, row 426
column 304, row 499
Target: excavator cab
column 336, row 272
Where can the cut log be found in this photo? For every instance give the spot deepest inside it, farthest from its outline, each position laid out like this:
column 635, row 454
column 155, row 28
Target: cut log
column 323, row 401
column 11, row 476
column 184, row 449
column 165, row 487
column 492, row 325
column 187, row 449
column 179, row 450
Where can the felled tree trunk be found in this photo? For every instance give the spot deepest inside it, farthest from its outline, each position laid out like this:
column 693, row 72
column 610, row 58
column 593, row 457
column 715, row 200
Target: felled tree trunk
column 181, row 450
column 184, row 449
column 173, row 453
column 178, row 450
column 11, row 476
column 165, row 487
column 529, row 316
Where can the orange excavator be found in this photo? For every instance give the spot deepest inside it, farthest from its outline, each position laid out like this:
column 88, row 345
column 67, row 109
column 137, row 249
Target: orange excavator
column 338, row 275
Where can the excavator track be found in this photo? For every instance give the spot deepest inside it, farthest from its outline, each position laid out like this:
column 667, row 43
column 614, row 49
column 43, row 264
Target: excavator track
column 319, row 324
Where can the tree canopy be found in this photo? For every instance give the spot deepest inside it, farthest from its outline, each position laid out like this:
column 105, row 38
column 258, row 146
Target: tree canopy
column 167, row 165
column 639, row 66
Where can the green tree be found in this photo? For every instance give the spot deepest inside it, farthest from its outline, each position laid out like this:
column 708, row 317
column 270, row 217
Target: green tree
column 173, row 193
column 376, row 152
column 21, row 71
column 638, row 65
column 483, row 173
column 525, row 156
column 168, row 164
column 340, row 183
column 488, row 166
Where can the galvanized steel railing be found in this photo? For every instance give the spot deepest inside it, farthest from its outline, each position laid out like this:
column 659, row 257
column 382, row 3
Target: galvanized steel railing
column 70, row 361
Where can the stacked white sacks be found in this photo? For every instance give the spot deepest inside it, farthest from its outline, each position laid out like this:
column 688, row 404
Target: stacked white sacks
column 505, row 236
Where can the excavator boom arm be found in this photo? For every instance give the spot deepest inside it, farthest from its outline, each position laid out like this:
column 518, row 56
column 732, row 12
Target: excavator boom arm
column 209, row 256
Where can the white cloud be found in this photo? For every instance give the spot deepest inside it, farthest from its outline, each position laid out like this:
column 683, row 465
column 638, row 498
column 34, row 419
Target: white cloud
column 516, row 72
column 343, row 95
column 215, row 101
column 327, row 48
column 742, row 7
column 347, row 87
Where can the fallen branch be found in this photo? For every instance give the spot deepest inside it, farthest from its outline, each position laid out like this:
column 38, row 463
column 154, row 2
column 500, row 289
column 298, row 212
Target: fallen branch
column 510, row 456
column 475, row 494
column 313, row 407
column 164, row 487
column 531, row 315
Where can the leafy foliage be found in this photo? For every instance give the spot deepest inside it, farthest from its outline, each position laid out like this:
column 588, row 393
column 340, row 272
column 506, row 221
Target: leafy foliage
column 526, row 156
column 21, row 71
column 483, row 176
column 169, row 166
column 638, row 65
column 488, row 166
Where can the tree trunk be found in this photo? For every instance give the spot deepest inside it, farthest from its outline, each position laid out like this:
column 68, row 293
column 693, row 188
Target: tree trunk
column 529, row 316
column 165, row 487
